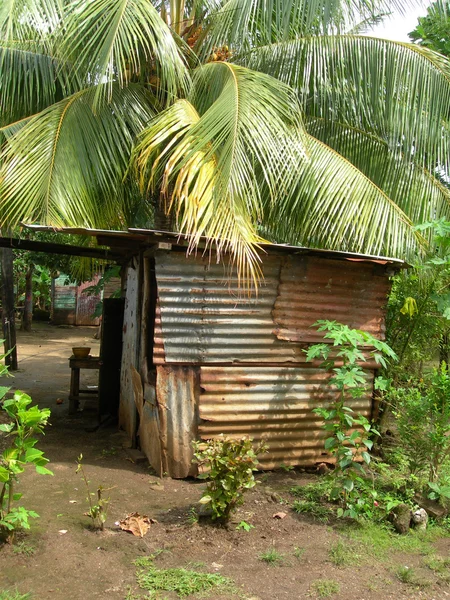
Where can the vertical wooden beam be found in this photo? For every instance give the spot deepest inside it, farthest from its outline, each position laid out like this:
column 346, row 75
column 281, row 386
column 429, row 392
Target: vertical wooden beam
column 27, row 315
column 8, row 310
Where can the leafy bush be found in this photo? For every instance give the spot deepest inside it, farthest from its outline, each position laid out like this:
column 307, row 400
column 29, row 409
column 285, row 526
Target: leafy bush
column 26, row 422
column 228, row 465
column 349, row 440
column 423, row 423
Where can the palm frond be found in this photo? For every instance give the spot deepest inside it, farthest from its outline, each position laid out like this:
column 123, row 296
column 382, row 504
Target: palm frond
column 336, row 206
column 30, row 80
column 22, row 20
column 120, row 40
column 245, row 24
column 416, row 190
column 225, row 154
column 399, row 92
column 65, row 166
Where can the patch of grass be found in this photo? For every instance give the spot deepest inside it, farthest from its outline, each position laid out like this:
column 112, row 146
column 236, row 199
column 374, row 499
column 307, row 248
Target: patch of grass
column 192, row 517
column 439, row 565
column 299, row 552
column 24, row 549
column 380, row 540
column 342, row 554
column 324, row 588
column 271, row 556
column 313, row 508
column 315, row 492
column 183, row 582
column 13, row 595
column 409, row 576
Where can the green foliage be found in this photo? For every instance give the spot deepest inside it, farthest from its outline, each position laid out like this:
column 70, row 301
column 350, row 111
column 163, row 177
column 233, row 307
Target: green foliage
column 433, row 30
column 422, row 417
column 343, row 554
column 229, row 466
column 26, row 422
column 315, row 509
column 99, row 509
column 418, row 316
column 349, row 434
column 13, row 595
column 243, row 525
column 98, row 288
column 183, row 582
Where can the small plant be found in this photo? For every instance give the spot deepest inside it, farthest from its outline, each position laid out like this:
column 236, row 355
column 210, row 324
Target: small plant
column 192, row 517
column 26, row 422
column 349, row 434
column 287, row 468
column 24, row 549
column 324, row 588
column 299, row 552
column 229, row 468
column 97, row 510
column 271, row 556
column 243, row 525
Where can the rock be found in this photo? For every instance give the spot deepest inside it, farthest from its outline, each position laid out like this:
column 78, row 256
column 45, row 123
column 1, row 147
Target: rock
column 323, row 468
column 401, row 518
column 420, row 519
column 433, row 508
column 204, row 511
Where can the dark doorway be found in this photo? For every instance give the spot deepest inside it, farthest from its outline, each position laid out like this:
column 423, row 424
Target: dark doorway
column 110, row 356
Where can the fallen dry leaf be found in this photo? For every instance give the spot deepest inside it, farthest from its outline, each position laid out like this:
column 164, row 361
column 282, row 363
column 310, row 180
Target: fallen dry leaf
column 279, row 515
column 136, row 524
column 62, row 531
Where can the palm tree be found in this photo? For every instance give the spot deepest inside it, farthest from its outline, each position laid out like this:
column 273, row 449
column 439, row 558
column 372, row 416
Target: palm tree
column 245, row 120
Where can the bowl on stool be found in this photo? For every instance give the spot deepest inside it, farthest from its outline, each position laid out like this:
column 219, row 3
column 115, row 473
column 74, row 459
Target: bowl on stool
column 81, row 352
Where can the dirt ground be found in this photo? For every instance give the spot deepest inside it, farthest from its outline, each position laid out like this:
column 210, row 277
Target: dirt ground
column 81, row 564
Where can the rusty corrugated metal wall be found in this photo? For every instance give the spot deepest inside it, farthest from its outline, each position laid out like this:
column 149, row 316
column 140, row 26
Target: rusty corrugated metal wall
column 226, row 364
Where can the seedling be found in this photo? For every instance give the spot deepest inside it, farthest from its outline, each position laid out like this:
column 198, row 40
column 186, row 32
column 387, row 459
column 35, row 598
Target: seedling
column 97, row 510
column 243, row 525
column 324, row 588
column 299, row 552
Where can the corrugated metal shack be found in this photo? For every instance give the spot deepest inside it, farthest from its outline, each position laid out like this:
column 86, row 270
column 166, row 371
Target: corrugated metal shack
column 71, row 305
column 200, row 359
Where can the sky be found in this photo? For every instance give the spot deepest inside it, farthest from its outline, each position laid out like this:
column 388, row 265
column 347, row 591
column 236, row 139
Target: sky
column 398, row 26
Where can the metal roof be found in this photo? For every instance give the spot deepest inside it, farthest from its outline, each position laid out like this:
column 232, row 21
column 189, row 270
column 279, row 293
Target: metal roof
column 154, row 236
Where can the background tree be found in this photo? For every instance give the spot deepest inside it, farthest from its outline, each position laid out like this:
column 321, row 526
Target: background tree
column 433, row 30
column 242, row 119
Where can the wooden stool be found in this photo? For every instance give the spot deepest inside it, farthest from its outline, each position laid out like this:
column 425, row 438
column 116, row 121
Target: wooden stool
column 91, row 362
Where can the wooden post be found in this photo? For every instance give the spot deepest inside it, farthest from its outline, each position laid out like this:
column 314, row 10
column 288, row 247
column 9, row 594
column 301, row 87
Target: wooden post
column 27, row 315
column 8, row 310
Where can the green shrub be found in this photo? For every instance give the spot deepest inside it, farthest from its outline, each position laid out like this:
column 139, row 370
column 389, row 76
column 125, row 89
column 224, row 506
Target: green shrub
column 423, row 423
column 228, row 465
column 26, row 422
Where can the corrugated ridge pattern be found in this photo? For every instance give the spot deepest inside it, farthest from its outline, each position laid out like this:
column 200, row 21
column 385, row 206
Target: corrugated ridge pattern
column 274, row 404
column 311, row 288
column 203, row 317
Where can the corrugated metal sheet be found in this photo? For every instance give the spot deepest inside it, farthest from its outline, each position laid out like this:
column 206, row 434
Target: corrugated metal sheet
column 86, row 304
column 131, row 327
column 202, row 318
column 271, row 403
column 313, row 288
column 177, row 392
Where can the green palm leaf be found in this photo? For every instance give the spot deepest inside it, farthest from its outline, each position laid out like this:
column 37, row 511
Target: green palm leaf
column 399, row 92
column 329, row 180
column 35, row 80
column 123, row 40
column 221, row 157
column 65, row 166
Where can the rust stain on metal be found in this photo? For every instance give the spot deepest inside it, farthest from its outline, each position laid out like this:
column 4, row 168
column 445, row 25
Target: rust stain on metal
column 177, row 391
column 271, row 404
column 353, row 293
